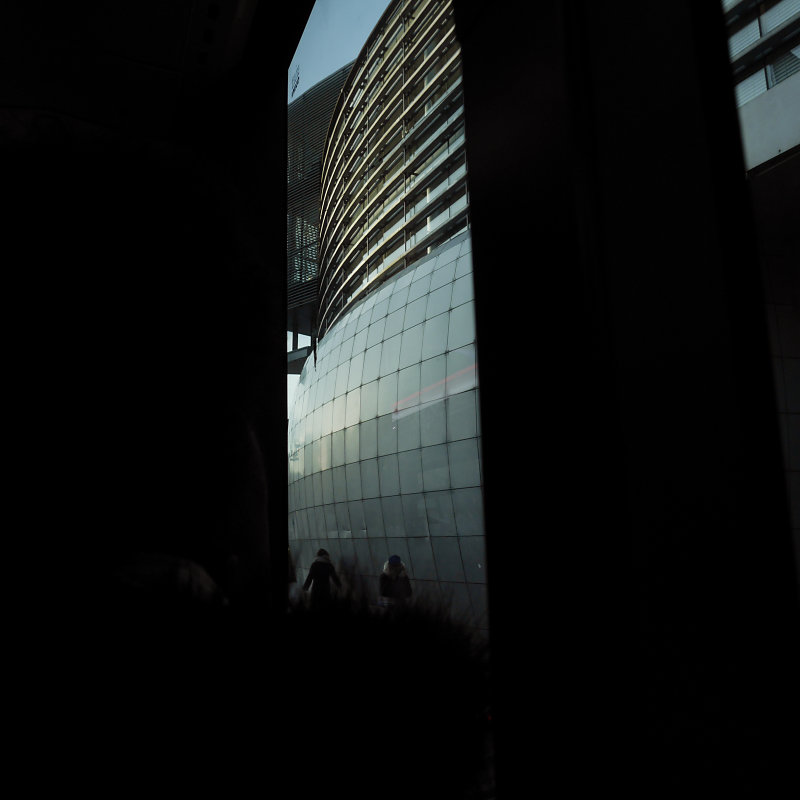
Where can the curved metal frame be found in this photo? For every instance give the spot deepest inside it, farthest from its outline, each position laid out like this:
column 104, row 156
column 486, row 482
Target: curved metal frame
column 394, row 169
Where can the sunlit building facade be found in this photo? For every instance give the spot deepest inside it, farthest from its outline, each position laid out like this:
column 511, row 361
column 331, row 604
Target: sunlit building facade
column 384, row 432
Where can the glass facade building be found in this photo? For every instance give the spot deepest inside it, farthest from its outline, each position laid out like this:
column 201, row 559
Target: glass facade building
column 384, row 432
column 308, row 118
column 763, row 44
column 394, row 174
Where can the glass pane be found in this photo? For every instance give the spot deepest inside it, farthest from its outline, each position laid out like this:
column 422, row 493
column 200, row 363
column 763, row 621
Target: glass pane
column 447, row 555
column 398, row 300
column 347, row 350
column 462, row 291
column 354, row 373
column 357, row 523
column 318, row 523
column 331, row 528
column 339, row 408
column 360, row 342
column 433, row 378
column 394, row 323
column 339, row 484
column 369, row 401
column 462, row 326
column 369, row 439
column 410, row 467
column 324, row 461
column 390, row 357
column 361, row 554
column 432, row 423
column 341, row 378
column 352, row 439
column 414, row 513
column 468, row 509
column 450, row 253
column 419, row 289
column 363, row 323
column 370, row 486
column 439, row 301
column 425, row 268
column 375, row 334
column 353, row 480
column 462, row 416
column 387, row 394
column 393, row 515
column 404, row 280
column 374, row 519
column 353, row 408
column 389, row 475
column 421, row 556
column 372, row 361
column 435, row 469
column 326, row 420
column 462, row 373
column 434, row 337
column 410, row 346
column 387, row 435
column 415, row 311
column 337, row 448
column 378, row 554
column 327, row 486
column 464, row 463
column 464, row 264
column 328, row 384
column 408, row 387
column 408, row 430
column 443, row 275
column 380, row 311
column 441, row 521
column 342, row 519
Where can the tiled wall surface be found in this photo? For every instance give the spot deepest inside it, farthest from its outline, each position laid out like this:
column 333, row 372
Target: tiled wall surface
column 384, row 438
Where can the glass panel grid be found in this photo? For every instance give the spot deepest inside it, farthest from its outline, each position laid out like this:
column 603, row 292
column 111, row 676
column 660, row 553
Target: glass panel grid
column 393, row 428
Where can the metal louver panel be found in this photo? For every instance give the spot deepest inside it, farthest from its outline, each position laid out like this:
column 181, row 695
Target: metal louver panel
column 308, row 118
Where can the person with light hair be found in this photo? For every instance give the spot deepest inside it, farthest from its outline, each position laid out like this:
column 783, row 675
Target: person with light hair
column 394, row 585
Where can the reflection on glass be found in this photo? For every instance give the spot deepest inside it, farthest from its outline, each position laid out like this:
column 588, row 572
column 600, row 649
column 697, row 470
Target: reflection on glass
column 385, row 429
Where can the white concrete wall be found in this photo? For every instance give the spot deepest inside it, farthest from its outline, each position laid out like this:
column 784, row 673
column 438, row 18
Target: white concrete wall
column 770, row 123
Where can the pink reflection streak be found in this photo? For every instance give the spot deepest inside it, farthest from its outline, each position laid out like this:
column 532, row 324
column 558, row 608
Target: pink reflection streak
column 412, row 399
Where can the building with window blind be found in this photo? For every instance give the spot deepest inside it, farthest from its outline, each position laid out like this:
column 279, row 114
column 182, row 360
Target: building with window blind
column 764, row 50
column 384, row 440
column 308, row 118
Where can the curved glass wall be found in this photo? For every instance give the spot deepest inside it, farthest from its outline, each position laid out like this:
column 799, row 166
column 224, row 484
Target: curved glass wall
column 384, row 439
column 394, row 173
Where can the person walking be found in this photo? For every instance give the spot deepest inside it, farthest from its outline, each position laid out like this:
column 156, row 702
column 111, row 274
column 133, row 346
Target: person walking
column 319, row 579
column 394, row 585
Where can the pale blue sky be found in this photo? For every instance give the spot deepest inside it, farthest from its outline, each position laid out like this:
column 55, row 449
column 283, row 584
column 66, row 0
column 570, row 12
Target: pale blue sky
column 334, row 35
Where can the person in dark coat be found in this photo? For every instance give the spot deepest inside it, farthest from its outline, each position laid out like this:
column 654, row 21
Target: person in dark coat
column 319, row 579
column 394, row 585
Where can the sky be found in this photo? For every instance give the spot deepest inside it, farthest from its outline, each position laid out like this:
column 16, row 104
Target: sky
column 334, row 35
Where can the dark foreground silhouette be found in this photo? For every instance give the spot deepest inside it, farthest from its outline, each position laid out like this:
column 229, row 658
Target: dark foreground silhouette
column 184, row 694
column 138, row 302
